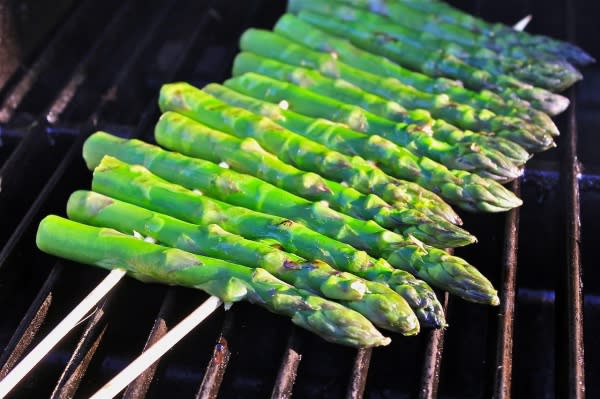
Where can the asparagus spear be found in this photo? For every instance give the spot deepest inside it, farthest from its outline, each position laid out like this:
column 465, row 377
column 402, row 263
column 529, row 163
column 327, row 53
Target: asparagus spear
column 346, row 92
column 492, row 164
column 271, row 45
column 308, row 35
column 439, row 64
column 295, row 149
column 364, row 296
column 110, row 249
column 253, row 193
column 136, row 185
column 377, row 302
column 441, row 18
column 467, row 190
column 555, row 75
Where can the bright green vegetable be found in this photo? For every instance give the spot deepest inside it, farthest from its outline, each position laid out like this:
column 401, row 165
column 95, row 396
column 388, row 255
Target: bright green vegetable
column 439, row 64
column 467, row 190
column 551, row 75
column 297, row 150
column 135, row 184
column 110, row 249
column 295, row 29
column 345, row 92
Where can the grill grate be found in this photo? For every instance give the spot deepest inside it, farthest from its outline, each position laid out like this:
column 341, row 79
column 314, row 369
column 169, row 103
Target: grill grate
column 101, row 68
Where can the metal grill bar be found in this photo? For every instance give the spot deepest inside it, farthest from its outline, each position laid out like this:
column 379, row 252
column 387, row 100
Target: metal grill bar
column 288, row 369
column 358, row 379
column 504, row 336
column 215, row 371
column 573, row 314
column 16, row 94
column 430, row 377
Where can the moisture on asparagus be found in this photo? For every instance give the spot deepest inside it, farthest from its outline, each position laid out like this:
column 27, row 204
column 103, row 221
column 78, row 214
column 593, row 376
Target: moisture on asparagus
column 346, row 92
column 295, row 29
column 109, row 249
column 135, row 184
column 299, row 151
column 467, row 190
column 439, row 64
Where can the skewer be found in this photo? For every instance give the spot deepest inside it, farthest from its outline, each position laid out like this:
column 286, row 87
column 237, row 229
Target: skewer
column 146, row 359
column 59, row 332
column 522, row 24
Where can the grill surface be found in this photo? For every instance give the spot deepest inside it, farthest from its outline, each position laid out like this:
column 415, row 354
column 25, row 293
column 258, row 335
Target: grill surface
column 98, row 65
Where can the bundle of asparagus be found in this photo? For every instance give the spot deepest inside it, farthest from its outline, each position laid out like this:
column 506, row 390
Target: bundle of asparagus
column 325, row 162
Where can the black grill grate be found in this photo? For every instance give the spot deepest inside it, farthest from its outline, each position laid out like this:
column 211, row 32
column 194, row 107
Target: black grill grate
column 101, row 68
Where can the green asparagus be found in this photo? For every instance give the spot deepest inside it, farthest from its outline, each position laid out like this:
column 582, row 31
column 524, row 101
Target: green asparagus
column 184, row 135
column 439, row 64
column 417, row 139
column 271, row 45
column 297, row 150
column 385, row 108
column 308, row 35
column 377, row 302
column 250, row 192
column 135, row 184
column 440, row 18
column 553, row 76
column 145, row 261
column 467, row 190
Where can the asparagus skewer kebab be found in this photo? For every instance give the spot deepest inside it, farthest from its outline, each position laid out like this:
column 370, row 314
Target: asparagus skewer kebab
column 418, row 139
column 376, row 301
column 308, row 35
column 343, row 91
column 439, row 64
column 271, row 45
column 176, row 131
column 441, row 18
column 110, row 249
column 135, row 184
column 252, row 193
column 467, row 190
column 297, row 150
column 551, row 75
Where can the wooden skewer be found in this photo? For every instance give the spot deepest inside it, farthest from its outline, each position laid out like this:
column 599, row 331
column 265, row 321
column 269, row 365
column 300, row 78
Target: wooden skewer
column 60, row 331
column 146, row 359
column 522, row 24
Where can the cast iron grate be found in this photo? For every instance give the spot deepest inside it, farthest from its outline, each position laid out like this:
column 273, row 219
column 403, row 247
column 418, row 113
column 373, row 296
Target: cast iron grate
column 101, row 67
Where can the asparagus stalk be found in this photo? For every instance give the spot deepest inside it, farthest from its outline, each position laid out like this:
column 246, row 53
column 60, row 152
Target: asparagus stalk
column 297, row 150
column 551, row 75
column 377, row 302
column 110, row 249
column 439, row 64
column 181, row 134
column 346, row 92
column 136, row 185
column 492, row 164
column 441, row 18
column 271, row 45
column 251, row 192
column 294, row 29
column 464, row 189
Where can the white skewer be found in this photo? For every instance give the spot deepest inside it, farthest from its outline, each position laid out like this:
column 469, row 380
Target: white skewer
column 522, row 24
column 160, row 347
column 62, row 329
